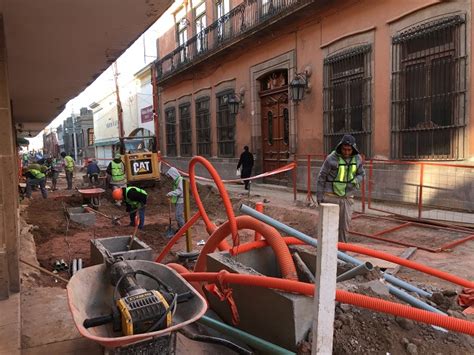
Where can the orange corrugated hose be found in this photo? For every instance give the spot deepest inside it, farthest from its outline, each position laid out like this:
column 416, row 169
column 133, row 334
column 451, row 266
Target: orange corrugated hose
column 180, row 269
column 375, row 304
column 370, row 252
column 211, row 227
column 272, row 236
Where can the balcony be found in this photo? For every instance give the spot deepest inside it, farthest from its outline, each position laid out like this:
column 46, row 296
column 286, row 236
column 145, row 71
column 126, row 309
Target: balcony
column 239, row 23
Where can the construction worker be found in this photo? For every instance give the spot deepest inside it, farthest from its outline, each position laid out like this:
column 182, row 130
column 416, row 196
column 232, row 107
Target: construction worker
column 35, row 177
column 116, row 174
column 56, row 166
column 93, row 172
column 69, row 168
column 340, row 176
column 135, row 201
column 176, row 195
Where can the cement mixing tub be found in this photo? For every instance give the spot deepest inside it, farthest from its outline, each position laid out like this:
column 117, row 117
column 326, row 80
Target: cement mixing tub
column 81, row 215
column 118, row 246
column 90, row 295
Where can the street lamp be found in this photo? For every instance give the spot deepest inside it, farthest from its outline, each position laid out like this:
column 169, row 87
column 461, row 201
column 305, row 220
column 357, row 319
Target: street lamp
column 298, row 87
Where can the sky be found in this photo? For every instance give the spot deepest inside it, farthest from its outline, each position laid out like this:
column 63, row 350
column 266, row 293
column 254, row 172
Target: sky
column 137, row 56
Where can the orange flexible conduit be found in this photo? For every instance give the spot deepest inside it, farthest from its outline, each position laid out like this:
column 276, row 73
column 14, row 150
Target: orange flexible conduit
column 375, row 304
column 211, row 227
column 218, row 235
column 370, row 252
column 272, row 236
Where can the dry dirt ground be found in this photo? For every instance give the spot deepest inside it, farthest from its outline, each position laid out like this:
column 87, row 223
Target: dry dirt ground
column 357, row 331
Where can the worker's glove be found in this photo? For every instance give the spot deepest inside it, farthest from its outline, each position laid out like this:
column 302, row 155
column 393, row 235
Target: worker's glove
column 169, row 194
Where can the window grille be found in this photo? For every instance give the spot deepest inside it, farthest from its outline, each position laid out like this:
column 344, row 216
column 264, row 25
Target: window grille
column 348, row 98
column 225, row 126
column 203, row 127
column 429, row 90
column 185, row 130
column 170, row 119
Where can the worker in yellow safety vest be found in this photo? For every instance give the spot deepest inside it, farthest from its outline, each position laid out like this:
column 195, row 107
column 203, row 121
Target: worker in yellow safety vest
column 135, row 201
column 35, row 177
column 340, row 176
column 116, row 174
column 69, row 169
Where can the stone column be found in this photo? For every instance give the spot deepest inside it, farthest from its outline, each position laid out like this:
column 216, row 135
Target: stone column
column 9, row 241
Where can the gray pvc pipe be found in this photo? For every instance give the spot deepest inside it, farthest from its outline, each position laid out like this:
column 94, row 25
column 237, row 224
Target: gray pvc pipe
column 413, row 300
column 358, row 270
column 74, row 266
column 311, row 241
column 79, row 264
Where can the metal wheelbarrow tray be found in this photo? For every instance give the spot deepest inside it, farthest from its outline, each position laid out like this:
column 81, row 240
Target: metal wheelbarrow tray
column 92, row 194
column 90, row 294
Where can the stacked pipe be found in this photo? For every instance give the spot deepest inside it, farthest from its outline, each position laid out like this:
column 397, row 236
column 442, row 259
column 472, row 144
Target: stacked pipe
column 76, row 265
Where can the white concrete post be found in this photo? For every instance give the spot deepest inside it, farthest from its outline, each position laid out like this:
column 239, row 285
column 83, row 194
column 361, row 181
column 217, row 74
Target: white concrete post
column 326, row 272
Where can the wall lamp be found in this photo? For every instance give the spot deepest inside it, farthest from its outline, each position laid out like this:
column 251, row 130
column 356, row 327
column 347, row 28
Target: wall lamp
column 300, row 85
column 235, row 101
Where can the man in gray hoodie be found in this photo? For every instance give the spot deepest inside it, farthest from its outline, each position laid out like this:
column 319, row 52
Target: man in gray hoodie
column 341, row 174
column 176, row 195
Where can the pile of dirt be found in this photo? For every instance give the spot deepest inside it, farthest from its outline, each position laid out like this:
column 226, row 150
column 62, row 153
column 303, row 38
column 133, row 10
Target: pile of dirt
column 361, row 331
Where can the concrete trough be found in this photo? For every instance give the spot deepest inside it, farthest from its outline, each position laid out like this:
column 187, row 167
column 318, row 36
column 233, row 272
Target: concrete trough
column 279, row 317
column 81, row 215
column 118, row 246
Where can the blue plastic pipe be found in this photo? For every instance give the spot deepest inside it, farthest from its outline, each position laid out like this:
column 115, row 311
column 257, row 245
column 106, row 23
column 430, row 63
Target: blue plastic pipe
column 311, row 241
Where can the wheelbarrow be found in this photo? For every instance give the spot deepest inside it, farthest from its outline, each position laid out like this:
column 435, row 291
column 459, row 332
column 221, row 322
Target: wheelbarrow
column 90, row 294
column 92, row 195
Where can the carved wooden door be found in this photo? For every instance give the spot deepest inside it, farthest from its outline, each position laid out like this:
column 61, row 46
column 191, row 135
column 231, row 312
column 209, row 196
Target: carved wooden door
column 275, row 130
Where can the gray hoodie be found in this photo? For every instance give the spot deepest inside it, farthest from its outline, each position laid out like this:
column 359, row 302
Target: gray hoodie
column 174, row 174
column 328, row 172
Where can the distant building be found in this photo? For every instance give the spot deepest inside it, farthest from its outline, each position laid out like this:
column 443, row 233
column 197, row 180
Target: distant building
column 78, row 135
column 50, row 143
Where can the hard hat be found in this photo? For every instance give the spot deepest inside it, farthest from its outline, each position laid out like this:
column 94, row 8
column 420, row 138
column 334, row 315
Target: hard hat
column 117, row 194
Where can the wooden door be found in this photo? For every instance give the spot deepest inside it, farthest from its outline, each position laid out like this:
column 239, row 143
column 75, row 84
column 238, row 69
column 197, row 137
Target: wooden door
column 275, row 130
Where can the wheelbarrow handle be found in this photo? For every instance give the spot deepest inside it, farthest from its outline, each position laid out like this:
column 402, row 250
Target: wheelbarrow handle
column 96, row 321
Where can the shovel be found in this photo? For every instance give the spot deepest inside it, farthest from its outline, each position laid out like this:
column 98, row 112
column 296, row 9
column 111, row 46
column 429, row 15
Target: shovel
column 169, row 232
column 137, row 222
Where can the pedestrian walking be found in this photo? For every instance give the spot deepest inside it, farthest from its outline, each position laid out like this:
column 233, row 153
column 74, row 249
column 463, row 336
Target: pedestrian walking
column 245, row 164
column 135, row 202
column 176, row 195
column 69, row 168
column 340, row 176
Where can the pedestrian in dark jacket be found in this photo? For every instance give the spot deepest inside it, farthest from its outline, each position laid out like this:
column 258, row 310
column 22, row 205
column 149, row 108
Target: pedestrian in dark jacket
column 246, row 163
column 340, row 176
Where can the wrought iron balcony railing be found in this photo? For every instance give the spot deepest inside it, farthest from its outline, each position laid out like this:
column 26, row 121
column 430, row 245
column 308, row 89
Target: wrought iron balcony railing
column 237, row 23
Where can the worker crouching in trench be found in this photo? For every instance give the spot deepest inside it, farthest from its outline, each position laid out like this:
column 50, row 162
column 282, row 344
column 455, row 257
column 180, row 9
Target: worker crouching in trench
column 135, row 201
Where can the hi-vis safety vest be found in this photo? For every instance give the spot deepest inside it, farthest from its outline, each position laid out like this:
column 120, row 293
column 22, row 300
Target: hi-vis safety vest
column 345, row 175
column 69, row 163
column 37, row 174
column 174, row 199
column 133, row 204
column 117, row 171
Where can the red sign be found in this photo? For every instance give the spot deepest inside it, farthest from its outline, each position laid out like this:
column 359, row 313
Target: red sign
column 147, row 114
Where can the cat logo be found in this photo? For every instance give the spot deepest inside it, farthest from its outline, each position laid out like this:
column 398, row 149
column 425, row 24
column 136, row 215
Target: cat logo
column 140, row 167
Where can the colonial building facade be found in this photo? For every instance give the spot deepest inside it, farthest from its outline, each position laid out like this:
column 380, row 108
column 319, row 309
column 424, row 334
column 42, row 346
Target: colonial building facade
column 395, row 74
